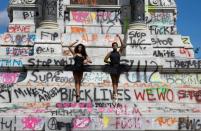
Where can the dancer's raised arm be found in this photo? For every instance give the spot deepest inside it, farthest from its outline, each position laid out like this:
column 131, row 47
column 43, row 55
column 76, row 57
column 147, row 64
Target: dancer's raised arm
column 71, row 45
column 122, row 44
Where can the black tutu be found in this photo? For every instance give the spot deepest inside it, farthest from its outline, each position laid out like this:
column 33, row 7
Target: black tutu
column 116, row 69
column 84, row 68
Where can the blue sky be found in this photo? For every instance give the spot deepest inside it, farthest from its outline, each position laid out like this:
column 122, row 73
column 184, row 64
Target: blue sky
column 3, row 15
column 188, row 21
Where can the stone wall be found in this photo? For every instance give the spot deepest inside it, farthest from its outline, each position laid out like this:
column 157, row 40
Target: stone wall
column 161, row 90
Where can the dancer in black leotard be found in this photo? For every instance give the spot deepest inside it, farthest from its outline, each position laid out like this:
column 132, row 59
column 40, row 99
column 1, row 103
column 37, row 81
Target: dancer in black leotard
column 80, row 58
column 114, row 67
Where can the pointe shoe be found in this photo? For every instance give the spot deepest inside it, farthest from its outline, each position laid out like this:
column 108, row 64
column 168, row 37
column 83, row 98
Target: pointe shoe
column 77, row 98
column 115, row 98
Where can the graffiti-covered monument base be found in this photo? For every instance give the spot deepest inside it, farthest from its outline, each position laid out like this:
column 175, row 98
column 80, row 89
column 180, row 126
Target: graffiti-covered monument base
column 160, row 91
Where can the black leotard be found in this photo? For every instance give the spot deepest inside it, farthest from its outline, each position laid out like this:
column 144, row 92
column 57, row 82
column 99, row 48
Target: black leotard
column 115, row 58
column 79, row 63
column 115, row 68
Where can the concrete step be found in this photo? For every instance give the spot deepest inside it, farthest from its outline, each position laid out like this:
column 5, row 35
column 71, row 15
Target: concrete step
column 67, row 116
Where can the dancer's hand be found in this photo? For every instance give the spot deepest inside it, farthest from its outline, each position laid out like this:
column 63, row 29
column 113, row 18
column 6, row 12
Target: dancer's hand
column 87, row 61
